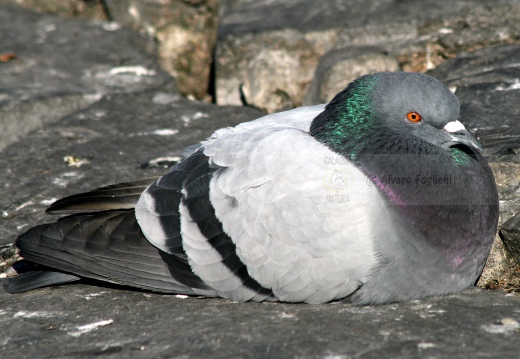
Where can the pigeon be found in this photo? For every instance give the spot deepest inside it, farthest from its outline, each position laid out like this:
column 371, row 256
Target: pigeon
column 379, row 196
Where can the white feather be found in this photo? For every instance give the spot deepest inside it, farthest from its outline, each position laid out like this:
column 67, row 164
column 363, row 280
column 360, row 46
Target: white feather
column 289, row 231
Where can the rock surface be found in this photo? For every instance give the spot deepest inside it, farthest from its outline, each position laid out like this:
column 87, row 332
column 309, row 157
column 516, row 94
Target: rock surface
column 338, row 68
column 86, row 9
column 59, row 66
column 268, row 50
column 510, row 235
column 186, row 32
column 87, row 105
column 84, row 321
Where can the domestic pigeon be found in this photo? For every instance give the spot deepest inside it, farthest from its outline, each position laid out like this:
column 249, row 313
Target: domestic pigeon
column 379, row 196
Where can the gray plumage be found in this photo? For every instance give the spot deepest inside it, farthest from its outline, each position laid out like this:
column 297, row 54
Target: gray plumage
column 353, row 199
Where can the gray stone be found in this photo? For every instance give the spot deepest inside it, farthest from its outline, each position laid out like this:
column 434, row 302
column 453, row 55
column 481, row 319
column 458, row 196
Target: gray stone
column 510, row 235
column 305, row 16
column 186, row 32
column 79, row 321
column 64, row 65
column 119, row 138
column 268, row 51
column 338, row 68
column 272, row 77
column 87, row 9
column 507, row 177
column 226, row 6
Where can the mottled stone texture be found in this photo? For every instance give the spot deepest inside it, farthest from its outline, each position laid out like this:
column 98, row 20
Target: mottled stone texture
column 58, row 66
column 186, row 31
column 85, row 321
column 268, row 51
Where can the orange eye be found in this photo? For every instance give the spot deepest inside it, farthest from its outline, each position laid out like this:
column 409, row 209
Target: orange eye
column 413, row 117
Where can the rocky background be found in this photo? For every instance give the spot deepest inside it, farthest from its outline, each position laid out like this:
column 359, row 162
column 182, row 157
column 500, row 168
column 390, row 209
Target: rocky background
column 94, row 92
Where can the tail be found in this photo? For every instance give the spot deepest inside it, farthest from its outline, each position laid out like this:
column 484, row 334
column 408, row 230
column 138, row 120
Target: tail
column 107, row 245
column 32, row 276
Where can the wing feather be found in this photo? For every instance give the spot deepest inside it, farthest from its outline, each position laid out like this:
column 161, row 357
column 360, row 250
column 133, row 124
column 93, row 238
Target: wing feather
column 117, row 196
column 107, row 246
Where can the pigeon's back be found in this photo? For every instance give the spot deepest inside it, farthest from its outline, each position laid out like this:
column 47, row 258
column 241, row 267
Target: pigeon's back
column 272, row 214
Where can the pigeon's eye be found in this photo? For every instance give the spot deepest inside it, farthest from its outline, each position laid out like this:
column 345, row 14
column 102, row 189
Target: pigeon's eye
column 413, row 117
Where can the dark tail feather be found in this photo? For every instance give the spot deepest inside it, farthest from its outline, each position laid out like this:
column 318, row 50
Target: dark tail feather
column 107, row 246
column 25, row 282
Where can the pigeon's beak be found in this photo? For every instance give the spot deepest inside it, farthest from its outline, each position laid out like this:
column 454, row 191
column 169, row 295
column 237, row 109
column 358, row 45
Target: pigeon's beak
column 459, row 136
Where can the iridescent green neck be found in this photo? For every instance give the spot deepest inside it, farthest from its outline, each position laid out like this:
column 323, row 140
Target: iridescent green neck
column 346, row 124
column 460, row 157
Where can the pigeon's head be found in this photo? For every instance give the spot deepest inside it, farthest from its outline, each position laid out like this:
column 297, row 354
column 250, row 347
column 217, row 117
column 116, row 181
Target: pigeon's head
column 396, row 112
